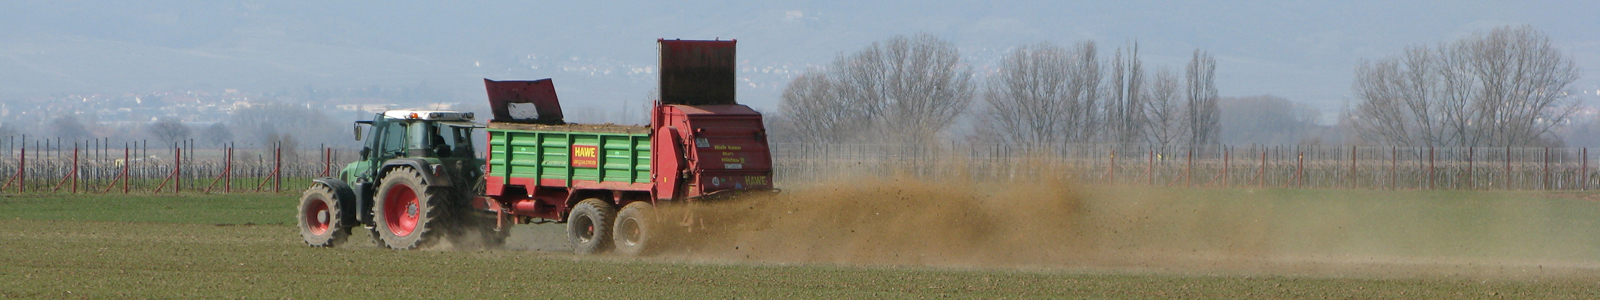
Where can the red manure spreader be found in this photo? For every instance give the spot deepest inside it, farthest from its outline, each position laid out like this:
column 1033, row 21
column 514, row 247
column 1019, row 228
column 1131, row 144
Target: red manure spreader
column 421, row 180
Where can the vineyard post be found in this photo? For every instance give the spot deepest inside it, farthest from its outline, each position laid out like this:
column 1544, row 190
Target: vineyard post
column 1299, row 169
column 1430, row 168
column 327, row 160
column 1188, row 178
column 1261, row 172
column 1351, row 177
column 227, row 182
column 1394, row 163
column 1111, row 168
column 125, row 163
column 74, row 173
column 277, row 167
column 1226, row 155
column 1471, row 184
column 1508, row 167
column 1149, row 167
column 1585, row 170
column 1544, row 182
column 22, row 164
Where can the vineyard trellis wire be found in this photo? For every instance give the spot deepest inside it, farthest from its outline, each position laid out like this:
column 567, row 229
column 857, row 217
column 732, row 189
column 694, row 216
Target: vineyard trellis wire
column 96, row 166
column 1257, row 166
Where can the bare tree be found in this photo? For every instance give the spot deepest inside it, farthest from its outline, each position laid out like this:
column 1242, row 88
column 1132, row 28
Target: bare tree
column 1165, row 112
column 1027, row 101
column 912, row 87
column 1125, row 115
column 1504, row 88
column 812, row 112
column 216, row 134
column 268, row 123
column 1202, row 116
column 168, row 130
column 1266, row 119
column 69, row 127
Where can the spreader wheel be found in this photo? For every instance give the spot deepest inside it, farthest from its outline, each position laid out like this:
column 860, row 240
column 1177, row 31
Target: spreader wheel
column 589, row 226
column 633, row 228
column 320, row 219
column 408, row 212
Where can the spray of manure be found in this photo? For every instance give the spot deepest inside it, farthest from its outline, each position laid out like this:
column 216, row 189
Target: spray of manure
column 897, row 220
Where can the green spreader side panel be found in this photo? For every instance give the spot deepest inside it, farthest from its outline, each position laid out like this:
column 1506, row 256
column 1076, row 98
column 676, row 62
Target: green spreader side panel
column 618, row 157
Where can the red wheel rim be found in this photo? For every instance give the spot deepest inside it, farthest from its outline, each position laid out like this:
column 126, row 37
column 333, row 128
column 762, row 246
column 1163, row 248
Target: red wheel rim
column 317, row 217
column 400, row 210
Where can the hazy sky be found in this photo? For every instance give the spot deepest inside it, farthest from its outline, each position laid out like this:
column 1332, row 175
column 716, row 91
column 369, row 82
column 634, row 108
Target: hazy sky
column 1302, row 51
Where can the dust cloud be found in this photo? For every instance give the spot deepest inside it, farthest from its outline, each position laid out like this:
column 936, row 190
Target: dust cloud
column 1055, row 223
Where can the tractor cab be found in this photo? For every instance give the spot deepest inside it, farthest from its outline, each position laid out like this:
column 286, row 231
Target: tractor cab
column 437, row 143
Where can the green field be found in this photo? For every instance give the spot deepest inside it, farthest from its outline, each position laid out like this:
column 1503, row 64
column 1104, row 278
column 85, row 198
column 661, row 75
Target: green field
column 245, row 246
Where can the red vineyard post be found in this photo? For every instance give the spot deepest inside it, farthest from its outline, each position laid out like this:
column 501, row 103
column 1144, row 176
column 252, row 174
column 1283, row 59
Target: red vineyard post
column 121, row 175
column 1188, row 180
column 1226, row 155
column 1149, row 168
column 227, row 167
column 327, row 161
column 72, row 174
column 277, row 168
column 1300, row 169
column 1261, row 172
column 1111, row 168
column 22, row 165
column 177, row 168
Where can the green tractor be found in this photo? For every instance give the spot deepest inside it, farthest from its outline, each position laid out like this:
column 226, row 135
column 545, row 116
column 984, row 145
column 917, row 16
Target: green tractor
column 417, row 171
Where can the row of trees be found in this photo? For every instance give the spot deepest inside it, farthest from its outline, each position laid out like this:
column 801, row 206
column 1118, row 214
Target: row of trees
column 1508, row 87
column 902, row 90
column 909, row 89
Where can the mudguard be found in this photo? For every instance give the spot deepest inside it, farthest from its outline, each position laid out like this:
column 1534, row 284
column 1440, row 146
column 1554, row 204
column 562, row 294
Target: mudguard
column 419, row 164
column 344, row 196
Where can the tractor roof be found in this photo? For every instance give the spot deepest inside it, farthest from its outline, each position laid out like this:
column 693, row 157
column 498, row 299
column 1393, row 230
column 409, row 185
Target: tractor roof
column 429, row 115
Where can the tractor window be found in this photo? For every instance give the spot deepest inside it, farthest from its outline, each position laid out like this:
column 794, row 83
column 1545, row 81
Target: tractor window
column 419, row 136
column 453, row 141
column 394, row 139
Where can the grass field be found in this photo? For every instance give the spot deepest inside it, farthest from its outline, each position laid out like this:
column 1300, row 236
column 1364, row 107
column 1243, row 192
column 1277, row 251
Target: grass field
column 194, row 246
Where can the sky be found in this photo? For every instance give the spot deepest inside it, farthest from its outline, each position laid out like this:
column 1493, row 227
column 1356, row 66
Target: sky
column 600, row 53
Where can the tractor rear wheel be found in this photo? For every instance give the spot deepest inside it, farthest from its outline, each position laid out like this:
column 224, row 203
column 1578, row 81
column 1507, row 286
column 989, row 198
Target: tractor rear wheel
column 633, row 228
column 589, row 226
column 321, row 222
column 409, row 214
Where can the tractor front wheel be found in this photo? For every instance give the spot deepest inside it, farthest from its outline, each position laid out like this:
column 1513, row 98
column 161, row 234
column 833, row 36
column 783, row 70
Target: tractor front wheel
column 408, row 213
column 321, row 224
column 589, row 226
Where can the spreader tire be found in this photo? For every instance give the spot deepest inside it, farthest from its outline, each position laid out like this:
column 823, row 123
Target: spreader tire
column 633, row 228
column 408, row 213
column 320, row 218
column 589, row 226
